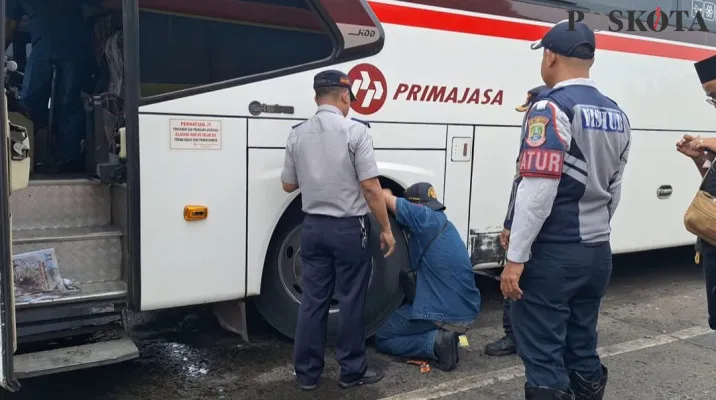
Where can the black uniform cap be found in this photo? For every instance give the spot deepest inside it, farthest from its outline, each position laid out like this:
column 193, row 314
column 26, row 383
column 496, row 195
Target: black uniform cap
column 560, row 39
column 531, row 94
column 333, row 78
column 424, row 193
column 706, row 69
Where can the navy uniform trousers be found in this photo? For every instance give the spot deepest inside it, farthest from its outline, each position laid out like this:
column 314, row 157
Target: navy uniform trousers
column 563, row 285
column 506, row 320
column 708, row 261
column 333, row 258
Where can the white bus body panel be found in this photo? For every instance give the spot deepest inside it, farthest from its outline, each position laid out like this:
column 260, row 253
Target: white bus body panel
column 411, row 139
column 203, row 261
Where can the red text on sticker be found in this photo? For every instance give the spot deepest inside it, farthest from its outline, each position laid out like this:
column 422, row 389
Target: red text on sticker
column 543, row 163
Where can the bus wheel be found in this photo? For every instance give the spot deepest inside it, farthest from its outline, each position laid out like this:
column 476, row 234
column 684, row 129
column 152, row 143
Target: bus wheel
column 281, row 284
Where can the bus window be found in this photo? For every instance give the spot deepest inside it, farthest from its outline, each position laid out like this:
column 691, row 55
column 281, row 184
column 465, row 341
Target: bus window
column 188, row 43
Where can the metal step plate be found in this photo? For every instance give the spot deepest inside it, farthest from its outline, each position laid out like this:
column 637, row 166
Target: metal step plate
column 88, row 292
column 61, row 204
column 84, row 255
column 94, row 306
column 76, row 357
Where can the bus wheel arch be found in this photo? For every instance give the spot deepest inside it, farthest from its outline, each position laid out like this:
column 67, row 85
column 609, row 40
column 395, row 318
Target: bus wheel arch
column 280, row 284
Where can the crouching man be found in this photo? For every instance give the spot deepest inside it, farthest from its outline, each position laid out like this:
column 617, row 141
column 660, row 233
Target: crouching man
column 446, row 301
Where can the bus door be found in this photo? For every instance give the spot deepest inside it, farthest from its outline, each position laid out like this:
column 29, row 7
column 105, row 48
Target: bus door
column 198, row 74
column 14, row 175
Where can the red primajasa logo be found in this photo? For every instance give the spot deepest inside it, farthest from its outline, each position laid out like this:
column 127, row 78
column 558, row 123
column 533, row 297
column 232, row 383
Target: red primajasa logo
column 369, row 87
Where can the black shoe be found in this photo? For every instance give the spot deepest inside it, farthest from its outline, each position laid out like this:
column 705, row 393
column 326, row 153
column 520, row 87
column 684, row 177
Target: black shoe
column 446, row 350
column 60, row 167
column 586, row 390
column 371, row 375
column 307, row 388
column 71, row 166
column 546, row 394
column 46, row 168
column 502, row 347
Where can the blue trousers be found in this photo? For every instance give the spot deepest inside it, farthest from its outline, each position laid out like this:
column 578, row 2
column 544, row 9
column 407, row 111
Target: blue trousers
column 563, row 285
column 333, row 259
column 405, row 337
column 69, row 114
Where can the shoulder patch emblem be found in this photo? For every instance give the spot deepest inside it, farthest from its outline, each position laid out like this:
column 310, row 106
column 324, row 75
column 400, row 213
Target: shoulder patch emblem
column 366, row 123
column 537, row 131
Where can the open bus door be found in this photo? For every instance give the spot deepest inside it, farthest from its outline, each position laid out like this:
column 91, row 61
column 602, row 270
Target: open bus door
column 14, row 175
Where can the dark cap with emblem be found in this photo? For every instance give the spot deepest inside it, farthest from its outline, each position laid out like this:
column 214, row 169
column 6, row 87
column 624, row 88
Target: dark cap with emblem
column 531, row 94
column 706, row 69
column 563, row 40
column 423, row 193
column 333, row 78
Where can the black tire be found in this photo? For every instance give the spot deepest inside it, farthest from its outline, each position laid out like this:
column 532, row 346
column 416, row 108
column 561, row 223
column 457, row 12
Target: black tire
column 279, row 305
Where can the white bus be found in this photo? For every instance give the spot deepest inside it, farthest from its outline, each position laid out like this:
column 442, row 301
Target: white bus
column 186, row 205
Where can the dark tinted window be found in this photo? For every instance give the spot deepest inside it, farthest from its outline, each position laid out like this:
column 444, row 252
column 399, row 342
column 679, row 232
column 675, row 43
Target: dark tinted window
column 553, row 11
column 640, row 5
column 187, row 43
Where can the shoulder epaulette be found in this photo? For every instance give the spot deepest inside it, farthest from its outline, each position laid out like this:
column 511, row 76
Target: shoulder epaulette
column 559, row 100
column 366, row 123
column 297, row 125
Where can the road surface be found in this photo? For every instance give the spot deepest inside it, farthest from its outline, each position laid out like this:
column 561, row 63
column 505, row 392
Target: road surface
column 653, row 335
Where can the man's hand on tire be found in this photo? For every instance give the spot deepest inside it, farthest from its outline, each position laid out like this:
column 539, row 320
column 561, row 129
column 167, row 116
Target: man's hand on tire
column 387, row 240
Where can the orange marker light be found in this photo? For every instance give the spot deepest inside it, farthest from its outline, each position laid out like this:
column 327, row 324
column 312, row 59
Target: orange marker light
column 195, row 213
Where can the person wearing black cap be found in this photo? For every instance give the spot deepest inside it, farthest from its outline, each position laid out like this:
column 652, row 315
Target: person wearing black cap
column 559, row 261
column 330, row 158
column 702, row 152
column 445, row 303
column 506, row 345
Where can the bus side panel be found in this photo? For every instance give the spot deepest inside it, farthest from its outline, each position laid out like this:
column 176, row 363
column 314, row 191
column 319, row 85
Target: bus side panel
column 458, row 170
column 495, row 152
column 424, row 161
column 643, row 221
column 192, row 161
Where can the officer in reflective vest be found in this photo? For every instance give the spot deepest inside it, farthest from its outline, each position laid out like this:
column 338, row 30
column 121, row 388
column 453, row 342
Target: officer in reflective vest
column 330, row 158
column 506, row 345
column 559, row 260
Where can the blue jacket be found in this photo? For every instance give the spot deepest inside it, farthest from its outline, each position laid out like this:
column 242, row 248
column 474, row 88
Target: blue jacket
column 446, row 289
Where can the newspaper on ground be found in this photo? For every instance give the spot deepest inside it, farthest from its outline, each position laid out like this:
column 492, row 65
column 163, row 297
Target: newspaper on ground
column 37, row 276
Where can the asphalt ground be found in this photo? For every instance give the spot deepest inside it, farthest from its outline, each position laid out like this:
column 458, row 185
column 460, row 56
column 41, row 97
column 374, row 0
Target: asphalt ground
column 653, row 337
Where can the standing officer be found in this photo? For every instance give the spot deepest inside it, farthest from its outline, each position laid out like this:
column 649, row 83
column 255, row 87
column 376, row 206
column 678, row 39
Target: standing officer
column 331, row 159
column 506, row 344
column 572, row 161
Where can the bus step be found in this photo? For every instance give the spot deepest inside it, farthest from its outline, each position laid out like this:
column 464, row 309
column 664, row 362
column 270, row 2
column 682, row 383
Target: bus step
column 96, row 292
column 74, row 358
column 55, row 203
column 87, row 254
